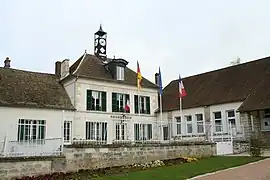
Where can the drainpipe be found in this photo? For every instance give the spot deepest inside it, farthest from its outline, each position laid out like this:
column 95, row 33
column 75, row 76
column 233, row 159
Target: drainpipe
column 75, row 105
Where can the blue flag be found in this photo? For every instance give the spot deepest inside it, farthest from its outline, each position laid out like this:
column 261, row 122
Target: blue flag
column 159, row 82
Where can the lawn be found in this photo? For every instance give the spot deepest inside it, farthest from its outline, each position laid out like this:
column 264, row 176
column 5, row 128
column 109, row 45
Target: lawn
column 186, row 170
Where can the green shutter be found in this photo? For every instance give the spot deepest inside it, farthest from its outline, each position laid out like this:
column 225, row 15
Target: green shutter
column 136, row 104
column 104, row 104
column 147, row 105
column 114, row 102
column 88, row 99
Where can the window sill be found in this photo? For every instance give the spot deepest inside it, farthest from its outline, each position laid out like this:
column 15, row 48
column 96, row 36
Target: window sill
column 95, row 111
column 265, row 130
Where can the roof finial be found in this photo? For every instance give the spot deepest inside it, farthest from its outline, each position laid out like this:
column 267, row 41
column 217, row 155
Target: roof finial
column 100, row 27
column 85, row 51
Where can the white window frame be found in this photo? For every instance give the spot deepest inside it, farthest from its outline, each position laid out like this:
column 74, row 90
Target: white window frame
column 142, row 104
column 97, row 95
column 252, row 122
column 142, row 131
column 96, row 131
column 121, row 131
column 121, row 97
column 67, row 132
column 232, row 118
column 27, row 126
column 120, row 73
column 218, row 128
column 200, row 123
column 189, row 124
column 178, row 125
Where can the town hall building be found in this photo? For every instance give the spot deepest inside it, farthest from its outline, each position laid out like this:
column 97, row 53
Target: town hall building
column 96, row 100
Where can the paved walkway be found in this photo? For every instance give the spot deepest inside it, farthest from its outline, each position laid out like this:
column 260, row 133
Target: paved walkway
column 255, row 171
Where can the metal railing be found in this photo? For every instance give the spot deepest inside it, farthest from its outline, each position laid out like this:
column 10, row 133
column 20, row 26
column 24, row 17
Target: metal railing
column 129, row 132
column 42, row 147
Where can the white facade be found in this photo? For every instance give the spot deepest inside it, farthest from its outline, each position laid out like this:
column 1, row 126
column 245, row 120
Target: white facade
column 197, row 127
column 77, row 91
column 21, row 126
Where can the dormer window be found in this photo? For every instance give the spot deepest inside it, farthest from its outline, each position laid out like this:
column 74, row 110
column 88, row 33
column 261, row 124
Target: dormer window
column 120, row 73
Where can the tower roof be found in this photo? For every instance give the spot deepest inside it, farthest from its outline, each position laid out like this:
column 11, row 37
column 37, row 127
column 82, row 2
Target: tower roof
column 100, row 32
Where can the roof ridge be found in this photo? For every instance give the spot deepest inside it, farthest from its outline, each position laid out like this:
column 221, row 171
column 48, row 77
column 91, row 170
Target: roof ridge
column 28, row 71
column 224, row 68
column 78, row 67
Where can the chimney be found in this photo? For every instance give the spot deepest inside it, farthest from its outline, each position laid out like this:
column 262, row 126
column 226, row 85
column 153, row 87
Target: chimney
column 7, row 63
column 64, row 68
column 156, row 78
column 58, row 68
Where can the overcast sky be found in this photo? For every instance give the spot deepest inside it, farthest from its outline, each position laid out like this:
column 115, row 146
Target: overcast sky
column 186, row 37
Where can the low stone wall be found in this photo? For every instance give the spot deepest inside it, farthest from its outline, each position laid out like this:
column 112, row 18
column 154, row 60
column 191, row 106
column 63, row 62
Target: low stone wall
column 20, row 166
column 83, row 157
column 240, row 147
column 92, row 158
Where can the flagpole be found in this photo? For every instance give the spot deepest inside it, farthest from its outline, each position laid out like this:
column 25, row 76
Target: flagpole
column 161, row 115
column 139, row 113
column 181, row 111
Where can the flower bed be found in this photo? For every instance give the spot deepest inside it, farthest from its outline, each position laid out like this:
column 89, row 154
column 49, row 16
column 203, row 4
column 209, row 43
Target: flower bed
column 89, row 174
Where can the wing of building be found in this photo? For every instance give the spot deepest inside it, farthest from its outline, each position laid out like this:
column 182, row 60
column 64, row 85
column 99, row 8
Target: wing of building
column 238, row 95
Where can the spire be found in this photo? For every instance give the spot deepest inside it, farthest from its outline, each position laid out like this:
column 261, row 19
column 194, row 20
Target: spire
column 100, row 28
column 100, row 32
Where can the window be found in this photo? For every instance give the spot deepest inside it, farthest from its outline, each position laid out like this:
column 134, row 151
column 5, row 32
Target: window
column 178, row 125
column 96, row 100
column 120, row 73
column 189, row 123
column 231, row 117
column 267, row 113
column 217, row 121
column 67, row 131
column 142, row 132
column 120, row 103
column 266, row 120
column 121, row 131
column 96, row 131
column 200, row 126
column 29, row 130
column 142, row 104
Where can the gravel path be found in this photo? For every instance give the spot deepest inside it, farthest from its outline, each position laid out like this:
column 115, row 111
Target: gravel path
column 255, row 171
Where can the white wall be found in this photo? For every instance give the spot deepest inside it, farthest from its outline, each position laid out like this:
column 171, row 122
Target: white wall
column 10, row 116
column 82, row 85
column 82, row 115
column 200, row 110
column 223, row 108
column 70, row 88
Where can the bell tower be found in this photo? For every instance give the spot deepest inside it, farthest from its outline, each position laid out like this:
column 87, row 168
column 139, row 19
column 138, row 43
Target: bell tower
column 100, row 43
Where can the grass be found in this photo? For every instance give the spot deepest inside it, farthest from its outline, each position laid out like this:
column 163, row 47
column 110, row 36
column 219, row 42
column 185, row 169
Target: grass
column 186, row 170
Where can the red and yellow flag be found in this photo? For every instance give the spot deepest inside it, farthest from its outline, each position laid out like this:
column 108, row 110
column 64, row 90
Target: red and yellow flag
column 139, row 77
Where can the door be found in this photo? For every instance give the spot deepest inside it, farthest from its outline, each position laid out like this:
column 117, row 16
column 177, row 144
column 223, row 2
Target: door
column 165, row 133
column 67, row 132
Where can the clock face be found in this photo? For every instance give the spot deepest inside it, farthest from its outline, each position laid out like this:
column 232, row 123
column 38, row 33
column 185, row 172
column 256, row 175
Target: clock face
column 102, row 42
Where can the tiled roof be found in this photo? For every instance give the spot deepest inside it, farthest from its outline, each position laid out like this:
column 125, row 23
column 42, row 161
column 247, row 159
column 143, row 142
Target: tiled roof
column 91, row 66
column 31, row 89
column 231, row 84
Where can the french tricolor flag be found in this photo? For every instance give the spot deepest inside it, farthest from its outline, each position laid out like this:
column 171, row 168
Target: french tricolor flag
column 182, row 91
